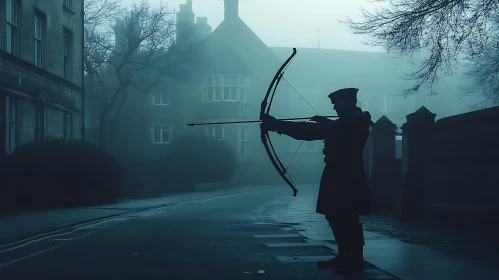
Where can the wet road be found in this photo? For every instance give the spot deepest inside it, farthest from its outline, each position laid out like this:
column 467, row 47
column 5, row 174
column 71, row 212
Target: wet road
column 222, row 237
column 215, row 238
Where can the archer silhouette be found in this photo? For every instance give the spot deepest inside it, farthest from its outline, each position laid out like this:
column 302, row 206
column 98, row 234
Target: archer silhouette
column 343, row 192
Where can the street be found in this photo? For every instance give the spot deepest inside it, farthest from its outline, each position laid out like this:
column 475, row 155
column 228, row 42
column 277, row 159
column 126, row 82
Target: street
column 232, row 235
column 217, row 237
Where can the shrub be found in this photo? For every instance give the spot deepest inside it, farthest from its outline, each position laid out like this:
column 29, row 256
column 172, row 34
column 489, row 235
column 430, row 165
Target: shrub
column 195, row 159
column 59, row 173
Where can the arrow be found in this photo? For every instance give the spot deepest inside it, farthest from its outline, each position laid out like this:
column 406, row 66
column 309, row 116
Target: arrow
column 254, row 121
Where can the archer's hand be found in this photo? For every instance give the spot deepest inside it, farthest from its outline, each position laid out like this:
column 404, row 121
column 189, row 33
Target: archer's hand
column 270, row 122
column 319, row 119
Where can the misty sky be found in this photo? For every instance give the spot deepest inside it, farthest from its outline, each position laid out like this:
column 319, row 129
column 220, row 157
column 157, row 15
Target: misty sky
column 290, row 23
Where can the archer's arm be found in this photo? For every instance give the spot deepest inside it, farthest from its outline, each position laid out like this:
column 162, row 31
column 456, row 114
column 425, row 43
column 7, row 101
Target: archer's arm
column 307, row 131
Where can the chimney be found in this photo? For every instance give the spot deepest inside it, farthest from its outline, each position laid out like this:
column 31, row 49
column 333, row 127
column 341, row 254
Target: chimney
column 231, row 9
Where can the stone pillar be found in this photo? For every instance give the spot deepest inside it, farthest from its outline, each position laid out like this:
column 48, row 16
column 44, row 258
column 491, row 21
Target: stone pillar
column 383, row 178
column 416, row 135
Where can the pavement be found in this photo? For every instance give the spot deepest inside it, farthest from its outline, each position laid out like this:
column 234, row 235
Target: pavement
column 245, row 233
column 405, row 251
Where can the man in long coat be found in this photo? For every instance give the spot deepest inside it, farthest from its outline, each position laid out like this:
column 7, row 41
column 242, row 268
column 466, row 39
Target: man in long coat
column 343, row 192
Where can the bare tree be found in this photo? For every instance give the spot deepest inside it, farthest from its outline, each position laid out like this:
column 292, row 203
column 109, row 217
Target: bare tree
column 100, row 11
column 484, row 71
column 446, row 31
column 135, row 54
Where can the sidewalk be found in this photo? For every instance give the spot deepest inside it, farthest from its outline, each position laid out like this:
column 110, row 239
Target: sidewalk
column 401, row 259
column 28, row 224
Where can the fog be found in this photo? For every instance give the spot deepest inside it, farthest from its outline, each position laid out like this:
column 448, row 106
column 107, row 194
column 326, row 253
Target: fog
column 235, row 56
column 291, row 23
column 235, row 138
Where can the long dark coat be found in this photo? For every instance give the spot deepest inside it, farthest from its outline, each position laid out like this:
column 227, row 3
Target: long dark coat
column 344, row 184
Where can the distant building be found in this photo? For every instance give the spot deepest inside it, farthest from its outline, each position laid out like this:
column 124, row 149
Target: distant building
column 40, row 71
column 235, row 69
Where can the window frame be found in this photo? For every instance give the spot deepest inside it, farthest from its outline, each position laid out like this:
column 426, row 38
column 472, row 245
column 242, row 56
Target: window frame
column 40, row 121
column 38, row 57
column 11, row 39
column 12, row 135
column 243, row 139
column 162, row 96
column 215, row 134
column 161, row 130
column 67, row 56
column 224, row 88
column 68, row 4
column 67, row 122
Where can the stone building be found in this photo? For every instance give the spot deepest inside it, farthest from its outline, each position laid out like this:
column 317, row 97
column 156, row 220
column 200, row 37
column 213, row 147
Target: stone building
column 40, row 71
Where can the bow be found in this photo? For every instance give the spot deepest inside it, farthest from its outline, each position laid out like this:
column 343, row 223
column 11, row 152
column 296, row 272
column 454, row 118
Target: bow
column 264, row 135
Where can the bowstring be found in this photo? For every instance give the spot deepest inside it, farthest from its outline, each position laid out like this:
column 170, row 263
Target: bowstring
column 301, row 95
column 303, row 141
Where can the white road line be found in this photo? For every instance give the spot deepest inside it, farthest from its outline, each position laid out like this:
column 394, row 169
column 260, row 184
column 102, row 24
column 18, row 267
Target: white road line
column 302, row 259
column 29, row 256
column 291, row 235
column 73, row 238
column 93, row 225
column 110, row 220
column 284, row 245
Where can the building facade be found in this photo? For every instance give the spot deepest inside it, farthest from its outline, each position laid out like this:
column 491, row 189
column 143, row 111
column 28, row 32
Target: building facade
column 40, row 71
column 235, row 69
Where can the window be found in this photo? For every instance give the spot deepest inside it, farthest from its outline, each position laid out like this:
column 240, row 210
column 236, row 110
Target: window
column 39, row 122
column 68, row 3
column 218, row 132
column 161, row 134
column 215, row 131
column 244, row 143
column 11, row 124
column 67, row 126
column 160, row 98
column 231, row 87
column 11, row 18
column 68, row 38
column 224, row 88
column 242, row 94
column 39, row 28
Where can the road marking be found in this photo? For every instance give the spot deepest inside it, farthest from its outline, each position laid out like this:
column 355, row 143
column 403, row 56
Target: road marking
column 291, row 235
column 302, row 259
column 96, row 224
column 284, row 245
column 215, row 198
column 29, row 256
column 71, row 238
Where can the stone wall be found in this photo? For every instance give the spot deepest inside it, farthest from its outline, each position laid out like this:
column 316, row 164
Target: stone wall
column 449, row 166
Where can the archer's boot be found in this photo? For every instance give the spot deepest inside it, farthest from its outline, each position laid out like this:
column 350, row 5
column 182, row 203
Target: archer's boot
column 352, row 260
column 334, row 262
column 349, row 264
column 331, row 264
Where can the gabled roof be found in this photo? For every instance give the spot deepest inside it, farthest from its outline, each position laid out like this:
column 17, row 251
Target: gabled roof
column 233, row 47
